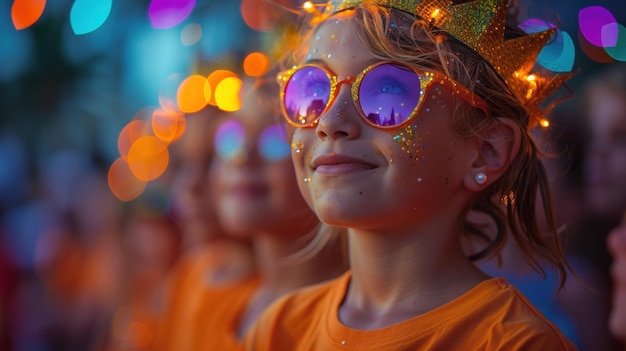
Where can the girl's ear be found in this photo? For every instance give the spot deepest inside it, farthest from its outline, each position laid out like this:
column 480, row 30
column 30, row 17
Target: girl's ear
column 497, row 145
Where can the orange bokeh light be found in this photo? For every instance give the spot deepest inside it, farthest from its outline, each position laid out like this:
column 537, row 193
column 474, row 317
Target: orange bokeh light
column 129, row 134
column 123, row 184
column 148, row 158
column 256, row 64
column 193, row 94
column 25, row 13
column 168, row 126
column 262, row 15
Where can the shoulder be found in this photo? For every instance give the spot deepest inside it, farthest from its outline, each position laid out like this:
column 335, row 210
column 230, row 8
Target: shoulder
column 513, row 323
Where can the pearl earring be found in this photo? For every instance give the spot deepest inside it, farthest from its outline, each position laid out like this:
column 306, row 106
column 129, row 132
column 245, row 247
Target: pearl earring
column 480, row 178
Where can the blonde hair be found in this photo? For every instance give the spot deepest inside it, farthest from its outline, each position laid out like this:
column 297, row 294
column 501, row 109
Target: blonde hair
column 395, row 35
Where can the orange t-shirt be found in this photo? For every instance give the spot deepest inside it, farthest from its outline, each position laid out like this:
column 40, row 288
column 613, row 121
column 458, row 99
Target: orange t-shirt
column 492, row 316
column 198, row 315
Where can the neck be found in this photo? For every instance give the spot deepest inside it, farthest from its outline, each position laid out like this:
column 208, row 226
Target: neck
column 396, row 276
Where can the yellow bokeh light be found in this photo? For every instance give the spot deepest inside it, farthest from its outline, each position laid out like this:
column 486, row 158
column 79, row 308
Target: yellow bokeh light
column 227, row 94
column 214, row 79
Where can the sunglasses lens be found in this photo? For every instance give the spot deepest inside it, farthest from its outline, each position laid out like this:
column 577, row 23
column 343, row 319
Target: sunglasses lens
column 306, row 94
column 389, row 94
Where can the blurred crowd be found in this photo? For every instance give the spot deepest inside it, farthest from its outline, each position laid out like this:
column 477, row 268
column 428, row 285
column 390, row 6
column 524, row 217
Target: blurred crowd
column 77, row 265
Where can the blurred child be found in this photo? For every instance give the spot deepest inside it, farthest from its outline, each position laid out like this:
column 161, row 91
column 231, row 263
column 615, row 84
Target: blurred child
column 150, row 246
column 256, row 198
column 192, row 204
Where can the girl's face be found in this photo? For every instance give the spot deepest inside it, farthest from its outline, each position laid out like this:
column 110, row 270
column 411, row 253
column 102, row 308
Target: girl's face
column 255, row 187
column 360, row 176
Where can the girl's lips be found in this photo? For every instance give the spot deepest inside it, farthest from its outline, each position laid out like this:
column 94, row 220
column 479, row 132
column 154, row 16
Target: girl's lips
column 339, row 164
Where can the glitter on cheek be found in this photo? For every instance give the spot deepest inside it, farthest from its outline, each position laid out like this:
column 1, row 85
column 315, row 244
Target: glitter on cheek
column 297, row 146
column 409, row 140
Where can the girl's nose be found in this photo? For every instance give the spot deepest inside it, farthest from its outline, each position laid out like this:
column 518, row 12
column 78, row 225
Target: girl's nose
column 342, row 119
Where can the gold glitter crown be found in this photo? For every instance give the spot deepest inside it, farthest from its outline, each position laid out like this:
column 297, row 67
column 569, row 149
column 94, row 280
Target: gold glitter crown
column 480, row 25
